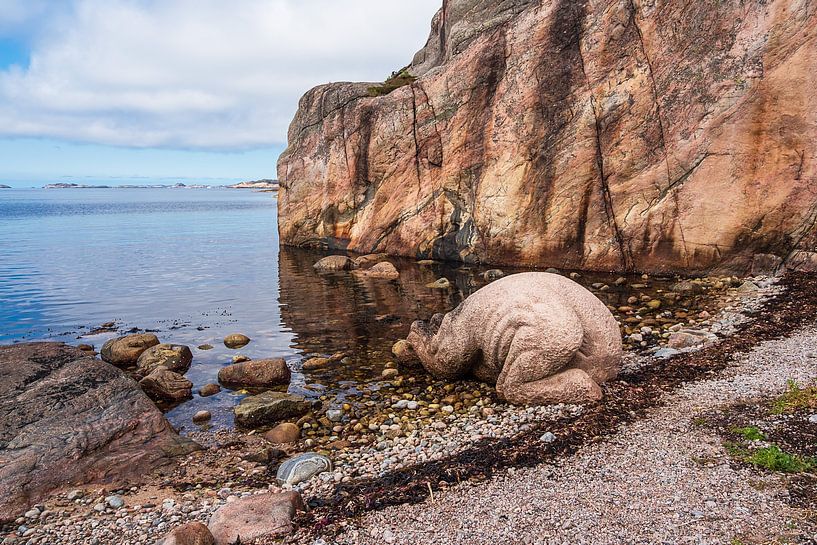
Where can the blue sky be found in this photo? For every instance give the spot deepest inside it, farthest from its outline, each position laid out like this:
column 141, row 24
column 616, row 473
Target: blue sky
column 159, row 91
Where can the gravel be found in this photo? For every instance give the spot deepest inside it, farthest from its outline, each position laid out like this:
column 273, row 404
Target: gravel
column 662, row 479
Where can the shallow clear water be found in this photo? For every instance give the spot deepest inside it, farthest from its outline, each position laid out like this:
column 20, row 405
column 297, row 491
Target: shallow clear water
column 196, row 265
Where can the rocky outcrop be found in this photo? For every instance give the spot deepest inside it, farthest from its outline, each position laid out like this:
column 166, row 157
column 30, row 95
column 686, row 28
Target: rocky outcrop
column 542, row 339
column 649, row 135
column 66, row 418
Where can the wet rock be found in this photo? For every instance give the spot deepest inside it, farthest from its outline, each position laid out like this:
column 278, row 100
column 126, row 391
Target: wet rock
column 403, row 351
column 192, row 533
column 493, row 274
column 302, row 467
column 440, row 284
column 202, row 416
column 125, row 351
column 383, row 270
column 85, row 347
column 283, row 433
column 690, row 338
column 240, row 358
column 318, row 363
column 175, row 357
column 548, row 318
column 370, row 260
column 236, row 340
column 162, row 384
column 255, row 518
column 205, row 347
column 334, row 263
column 389, row 374
column 686, row 287
column 70, row 418
column 269, row 408
column 256, row 374
column 209, row 390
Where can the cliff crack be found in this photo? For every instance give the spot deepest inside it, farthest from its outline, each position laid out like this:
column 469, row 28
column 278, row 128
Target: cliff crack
column 416, row 141
column 802, row 156
column 626, row 258
column 323, row 115
column 633, row 16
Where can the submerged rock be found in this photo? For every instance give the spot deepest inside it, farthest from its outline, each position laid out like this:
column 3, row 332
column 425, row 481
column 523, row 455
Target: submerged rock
column 547, row 318
column 269, row 408
column 256, row 374
column 175, row 357
column 440, row 284
column 302, row 467
column 209, row 390
column 369, row 260
column 383, row 270
column 253, row 518
column 334, row 263
column 68, row 418
column 162, row 384
column 125, row 351
column 236, row 340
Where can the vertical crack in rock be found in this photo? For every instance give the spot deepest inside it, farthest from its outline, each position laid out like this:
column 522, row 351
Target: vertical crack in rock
column 607, row 197
column 416, row 141
column 634, row 21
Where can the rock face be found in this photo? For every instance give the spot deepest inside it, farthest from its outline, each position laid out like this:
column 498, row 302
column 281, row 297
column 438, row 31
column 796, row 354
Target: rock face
column 258, row 517
column 542, row 339
column 125, row 351
column 647, row 135
column 175, row 357
column 67, row 418
column 256, row 373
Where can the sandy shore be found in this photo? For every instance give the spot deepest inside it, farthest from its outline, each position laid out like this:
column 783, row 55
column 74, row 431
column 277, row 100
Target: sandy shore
column 662, row 479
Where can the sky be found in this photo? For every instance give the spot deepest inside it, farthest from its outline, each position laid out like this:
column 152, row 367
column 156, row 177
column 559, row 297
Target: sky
column 166, row 91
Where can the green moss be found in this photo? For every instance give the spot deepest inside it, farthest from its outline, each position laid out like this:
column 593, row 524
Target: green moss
column 774, row 459
column 398, row 79
column 750, row 433
column 795, row 399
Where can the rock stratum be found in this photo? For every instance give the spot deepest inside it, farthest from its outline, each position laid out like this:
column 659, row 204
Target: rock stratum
column 649, row 135
column 67, row 418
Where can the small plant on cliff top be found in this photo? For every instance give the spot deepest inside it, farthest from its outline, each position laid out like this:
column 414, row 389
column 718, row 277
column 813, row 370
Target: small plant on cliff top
column 397, row 79
column 795, row 399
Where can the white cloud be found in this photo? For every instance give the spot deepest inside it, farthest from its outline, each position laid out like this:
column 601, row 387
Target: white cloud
column 196, row 73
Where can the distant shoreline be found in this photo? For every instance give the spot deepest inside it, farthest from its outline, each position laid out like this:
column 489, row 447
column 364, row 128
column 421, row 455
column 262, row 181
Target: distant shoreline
column 261, row 185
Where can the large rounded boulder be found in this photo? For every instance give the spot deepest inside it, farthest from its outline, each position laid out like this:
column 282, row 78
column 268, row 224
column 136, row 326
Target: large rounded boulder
column 175, row 357
column 125, row 351
column 256, row 374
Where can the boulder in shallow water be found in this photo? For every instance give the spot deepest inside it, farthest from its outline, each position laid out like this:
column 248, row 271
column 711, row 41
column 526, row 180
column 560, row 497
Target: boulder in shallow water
column 162, row 384
column 192, row 533
column 255, row 518
column 269, row 408
column 383, row 270
column 369, row 260
column 256, row 374
column 66, row 418
column 334, row 263
column 209, row 390
column 176, row 357
column 125, row 351
column 236, row 340
column 302, row 467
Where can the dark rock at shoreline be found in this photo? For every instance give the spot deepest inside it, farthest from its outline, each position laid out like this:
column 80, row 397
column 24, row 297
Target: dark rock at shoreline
column 256, row 374
column 162, row 384
column 66, row 418
column 209, row 390
column 269, row 408
column 334, row 263
column 175, row 357
column 236, row 340
column 125, row 351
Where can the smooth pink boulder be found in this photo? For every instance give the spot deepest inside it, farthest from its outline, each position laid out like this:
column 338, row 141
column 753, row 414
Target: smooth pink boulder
column 255, row 517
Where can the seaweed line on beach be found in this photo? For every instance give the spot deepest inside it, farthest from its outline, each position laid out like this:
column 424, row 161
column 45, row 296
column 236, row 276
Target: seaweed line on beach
column 627, row 398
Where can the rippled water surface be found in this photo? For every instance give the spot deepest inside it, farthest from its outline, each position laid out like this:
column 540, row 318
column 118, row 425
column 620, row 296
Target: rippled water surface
column 195, row 265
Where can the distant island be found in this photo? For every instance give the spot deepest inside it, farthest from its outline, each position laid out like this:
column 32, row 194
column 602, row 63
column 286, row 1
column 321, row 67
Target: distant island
column 268, row 185
column 258, row 185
